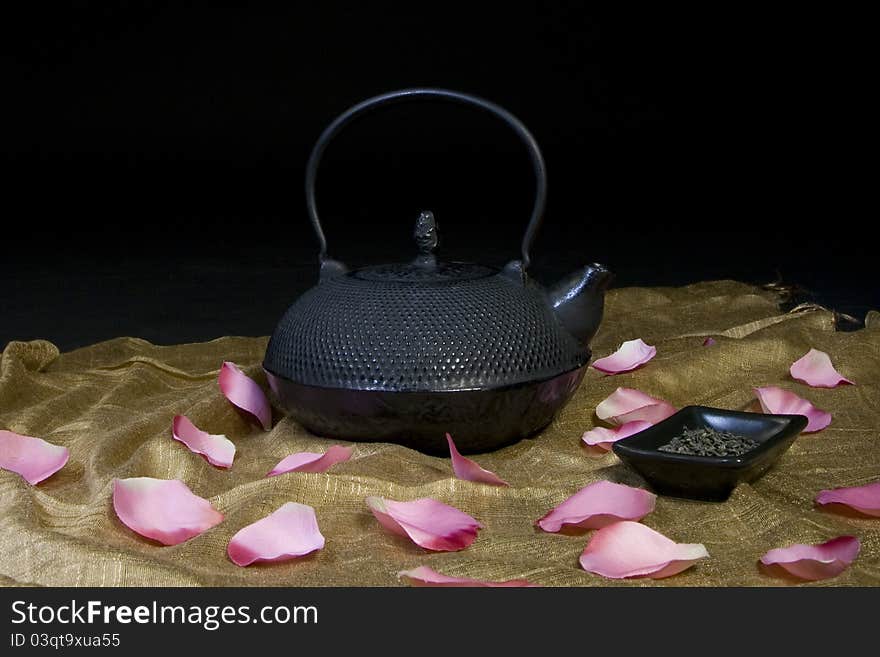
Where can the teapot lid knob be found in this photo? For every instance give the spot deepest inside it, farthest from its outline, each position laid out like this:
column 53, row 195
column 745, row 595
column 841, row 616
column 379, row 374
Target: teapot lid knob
column 426, row 238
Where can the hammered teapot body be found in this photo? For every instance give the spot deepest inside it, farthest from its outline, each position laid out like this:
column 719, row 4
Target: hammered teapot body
column 407, row 352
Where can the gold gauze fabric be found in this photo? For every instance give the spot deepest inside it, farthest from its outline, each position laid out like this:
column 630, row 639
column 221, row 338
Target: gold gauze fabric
column 112, row 404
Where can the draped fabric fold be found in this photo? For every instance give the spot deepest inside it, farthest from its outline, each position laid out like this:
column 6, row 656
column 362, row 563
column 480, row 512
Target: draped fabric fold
column 112, row 405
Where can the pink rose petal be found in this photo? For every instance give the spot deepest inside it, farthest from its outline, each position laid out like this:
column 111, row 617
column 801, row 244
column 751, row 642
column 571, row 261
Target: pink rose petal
column 312, row 461
column 216, row 448
column 165, row 510
column 865, row 499
column 599, row 504
column 428, row 523
column 776, row 400
column 630, row 549
column 424, row 576
column 815, row 369
column 708, row 342
column 465, row 468
column 243, row 392
column 603, row 438
column 813, row 562
column 32, row 458
column 630, row 355
column 287, row 533
column 627, row 405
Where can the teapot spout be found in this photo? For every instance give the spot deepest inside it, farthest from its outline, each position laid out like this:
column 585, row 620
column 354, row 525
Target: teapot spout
column 579, row 299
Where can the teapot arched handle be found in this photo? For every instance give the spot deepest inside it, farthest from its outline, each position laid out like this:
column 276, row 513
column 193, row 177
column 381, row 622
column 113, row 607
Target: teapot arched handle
column 435, row 94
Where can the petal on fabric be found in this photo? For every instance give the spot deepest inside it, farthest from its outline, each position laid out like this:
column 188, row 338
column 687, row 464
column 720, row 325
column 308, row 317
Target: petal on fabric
column 815, row 369
column 776, row 400
column 216, row 448
column 598, row 505
column 864, row 499
column 465, row 468
column 165, row 510
column 312, row 461
column 427, row 522
column 814, row 562
column 627, row 405
column 708, row 342
column 630, row 549
column 603, row 438
column 630, row 355
column 243, row 392
column 287, row 533
column 32, row 458
column 424, row 576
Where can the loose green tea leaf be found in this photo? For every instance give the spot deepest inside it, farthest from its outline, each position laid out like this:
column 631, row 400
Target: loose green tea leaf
column 706, row 441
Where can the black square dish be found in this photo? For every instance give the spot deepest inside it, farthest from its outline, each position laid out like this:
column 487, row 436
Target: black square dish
column 711, row 478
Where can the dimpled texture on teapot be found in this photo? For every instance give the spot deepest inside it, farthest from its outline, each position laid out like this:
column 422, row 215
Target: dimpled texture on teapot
column 392, row 335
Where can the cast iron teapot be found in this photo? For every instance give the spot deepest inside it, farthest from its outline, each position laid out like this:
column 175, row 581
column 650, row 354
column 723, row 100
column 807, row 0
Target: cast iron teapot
column 407, row 352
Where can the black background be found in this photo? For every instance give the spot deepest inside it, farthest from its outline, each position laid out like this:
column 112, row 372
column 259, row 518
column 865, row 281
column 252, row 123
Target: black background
column 154, row 154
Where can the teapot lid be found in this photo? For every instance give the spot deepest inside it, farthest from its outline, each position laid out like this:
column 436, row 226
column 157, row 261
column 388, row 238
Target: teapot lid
column 403, row 272
column 425, row 268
